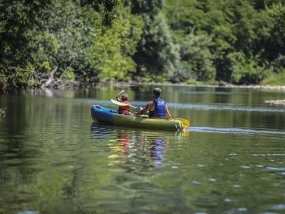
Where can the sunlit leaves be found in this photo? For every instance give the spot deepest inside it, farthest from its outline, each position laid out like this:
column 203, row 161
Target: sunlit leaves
column 112, row 53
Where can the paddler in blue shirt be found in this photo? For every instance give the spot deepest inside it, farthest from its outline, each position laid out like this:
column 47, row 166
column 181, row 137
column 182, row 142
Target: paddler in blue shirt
column 157, row 107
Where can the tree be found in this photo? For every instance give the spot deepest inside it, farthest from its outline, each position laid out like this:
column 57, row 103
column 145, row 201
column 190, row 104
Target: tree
column 156, row 55
column 196, row 59
column 112, row 54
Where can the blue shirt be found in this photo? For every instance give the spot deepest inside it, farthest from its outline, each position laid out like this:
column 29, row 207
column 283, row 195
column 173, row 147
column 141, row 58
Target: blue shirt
column 159, row 110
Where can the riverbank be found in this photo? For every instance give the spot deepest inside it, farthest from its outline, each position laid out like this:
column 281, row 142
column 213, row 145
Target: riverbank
column 62, row 84
column 130, row 84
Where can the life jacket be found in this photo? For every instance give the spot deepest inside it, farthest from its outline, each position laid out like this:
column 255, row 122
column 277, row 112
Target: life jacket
column 159, row 110
column 124, row 109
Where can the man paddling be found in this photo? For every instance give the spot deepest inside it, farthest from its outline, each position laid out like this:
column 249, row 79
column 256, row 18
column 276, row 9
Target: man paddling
column 157, row 107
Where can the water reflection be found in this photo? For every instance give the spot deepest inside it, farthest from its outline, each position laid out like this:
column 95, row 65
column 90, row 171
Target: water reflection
column 52, row 161
column 145, row 147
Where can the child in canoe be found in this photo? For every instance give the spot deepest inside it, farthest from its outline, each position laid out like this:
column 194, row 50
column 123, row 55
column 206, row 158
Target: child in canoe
column 124, row 99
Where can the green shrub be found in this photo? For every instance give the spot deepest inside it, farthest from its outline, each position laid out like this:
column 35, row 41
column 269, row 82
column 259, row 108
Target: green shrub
column 246, row 70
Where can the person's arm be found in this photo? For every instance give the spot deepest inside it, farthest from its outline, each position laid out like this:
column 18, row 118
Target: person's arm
column 118, row 95
column 146, row 108
column 167, row 115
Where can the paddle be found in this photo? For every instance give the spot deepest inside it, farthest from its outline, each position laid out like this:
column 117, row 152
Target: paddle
column 185, row 122
column 122, row 104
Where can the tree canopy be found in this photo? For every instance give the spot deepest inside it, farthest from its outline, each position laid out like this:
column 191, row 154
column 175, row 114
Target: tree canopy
column 237, row 41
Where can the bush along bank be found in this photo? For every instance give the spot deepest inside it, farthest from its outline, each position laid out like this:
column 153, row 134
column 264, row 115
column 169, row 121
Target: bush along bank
column 23, row 78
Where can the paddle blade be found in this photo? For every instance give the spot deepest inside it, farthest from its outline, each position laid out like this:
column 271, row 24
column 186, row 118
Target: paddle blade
column 119, row 103
column 122, row 104
column 185, row 122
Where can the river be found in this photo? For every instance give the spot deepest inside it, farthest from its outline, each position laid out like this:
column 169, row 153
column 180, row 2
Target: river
column 54, row 159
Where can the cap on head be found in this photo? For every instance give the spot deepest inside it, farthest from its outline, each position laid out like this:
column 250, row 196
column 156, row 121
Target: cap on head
column 125, row 97
column 156, row 92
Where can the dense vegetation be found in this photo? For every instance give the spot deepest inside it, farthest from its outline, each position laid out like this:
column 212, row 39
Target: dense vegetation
column 237, row 41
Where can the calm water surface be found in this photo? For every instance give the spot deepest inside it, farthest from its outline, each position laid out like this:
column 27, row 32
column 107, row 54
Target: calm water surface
column 53, row 159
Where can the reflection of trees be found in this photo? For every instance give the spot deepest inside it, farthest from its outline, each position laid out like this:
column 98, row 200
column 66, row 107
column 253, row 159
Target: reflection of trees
column 39, row 165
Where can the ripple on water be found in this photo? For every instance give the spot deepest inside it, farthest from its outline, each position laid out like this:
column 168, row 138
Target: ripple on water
column 238, row 131
column 268, row 155
column 270, row 168
column 246, row 167
column 278, row 206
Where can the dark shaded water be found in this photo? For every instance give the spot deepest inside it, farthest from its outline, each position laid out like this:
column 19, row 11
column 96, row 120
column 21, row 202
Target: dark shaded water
column 53, row 159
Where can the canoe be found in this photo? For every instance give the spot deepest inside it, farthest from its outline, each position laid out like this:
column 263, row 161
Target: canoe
column 109, row 116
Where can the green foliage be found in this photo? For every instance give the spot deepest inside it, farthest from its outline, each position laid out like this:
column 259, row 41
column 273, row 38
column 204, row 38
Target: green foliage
column 275, row 44
column 2, row 113
column 68, row 74
column 196, row 59
column 250, row 31
column 112, row 53
column 105, row 7
column 274, row 79
column 277, row 75
column 46, row 66
column 151, row 7
column 17, row 77
column 3, row 83
column 66, row 38
column 279, row 64
column 238, row 41
column 245, row 70
column 156, row 53
column 17, row 17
